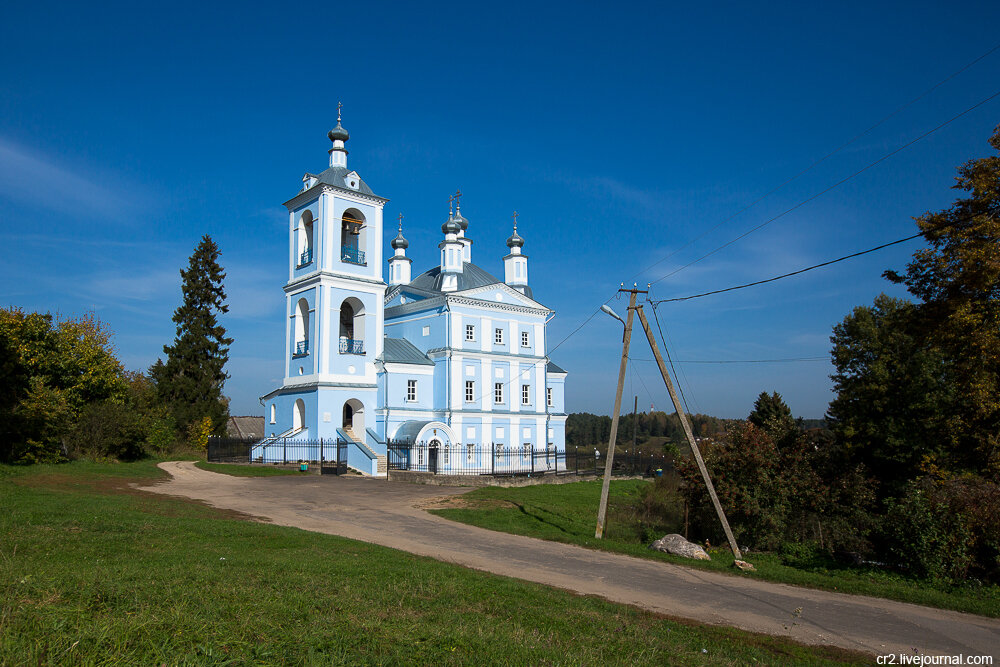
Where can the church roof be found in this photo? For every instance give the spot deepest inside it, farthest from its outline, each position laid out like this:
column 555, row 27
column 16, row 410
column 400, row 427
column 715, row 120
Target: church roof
column 552, row 368
column 402, row 351
column 337, row 176
column 471, row 277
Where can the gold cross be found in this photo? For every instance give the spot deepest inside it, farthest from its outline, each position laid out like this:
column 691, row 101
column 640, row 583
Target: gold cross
column 515, row 220
column 400, row 223
column 458, row 197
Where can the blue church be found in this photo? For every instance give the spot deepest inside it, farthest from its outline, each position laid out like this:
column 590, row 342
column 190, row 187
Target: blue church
column 453, row 358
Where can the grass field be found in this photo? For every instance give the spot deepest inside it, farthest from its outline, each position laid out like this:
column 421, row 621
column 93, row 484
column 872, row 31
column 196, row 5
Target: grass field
column 568, row 513
column 93, row 571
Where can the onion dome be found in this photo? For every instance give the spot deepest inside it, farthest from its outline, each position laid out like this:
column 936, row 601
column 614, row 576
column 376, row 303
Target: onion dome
column 452, row 226
column 338, row 132
column 461, row 220
column 515, row 241
column 399, row 241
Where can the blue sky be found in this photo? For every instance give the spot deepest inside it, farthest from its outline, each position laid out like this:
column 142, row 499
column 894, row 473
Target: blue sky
column 620, row 133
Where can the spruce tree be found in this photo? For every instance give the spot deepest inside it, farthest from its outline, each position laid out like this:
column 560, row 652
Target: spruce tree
column 190, row 381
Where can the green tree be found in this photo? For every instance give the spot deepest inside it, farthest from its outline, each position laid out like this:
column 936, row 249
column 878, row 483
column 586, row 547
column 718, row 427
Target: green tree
column 50, row 370
column 890, row 412
column 771, row 413
column 957, row 280
column 190, row 381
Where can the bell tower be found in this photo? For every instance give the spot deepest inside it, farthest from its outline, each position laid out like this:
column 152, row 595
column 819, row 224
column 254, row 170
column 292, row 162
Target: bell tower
column 334, row 305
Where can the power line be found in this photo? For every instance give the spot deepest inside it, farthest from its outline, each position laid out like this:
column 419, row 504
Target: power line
column 740, row 361
column 831, row 187
column 822, row 264
column 822, row 159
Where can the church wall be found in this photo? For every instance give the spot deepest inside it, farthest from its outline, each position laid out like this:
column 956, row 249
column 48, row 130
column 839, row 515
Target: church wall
column 557, row 382
column 426, row 330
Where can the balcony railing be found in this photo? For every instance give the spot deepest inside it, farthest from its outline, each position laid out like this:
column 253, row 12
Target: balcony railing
column 306, row 257
column 351, row 346
column 302, row 348
column 352, row 255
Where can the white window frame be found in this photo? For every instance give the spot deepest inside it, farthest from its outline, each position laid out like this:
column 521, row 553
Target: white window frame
column 470, row 332
column 411, row 391
column 525, row 339
column 470, row 391
column 498, row 337
column 525, row 394
column 498, row 393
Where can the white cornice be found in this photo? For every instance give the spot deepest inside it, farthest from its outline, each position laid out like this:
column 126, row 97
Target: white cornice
column 495, row 305
column 326, row 188
column 328, row 277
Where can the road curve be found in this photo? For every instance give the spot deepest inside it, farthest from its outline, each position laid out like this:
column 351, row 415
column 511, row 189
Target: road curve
column 387, row 513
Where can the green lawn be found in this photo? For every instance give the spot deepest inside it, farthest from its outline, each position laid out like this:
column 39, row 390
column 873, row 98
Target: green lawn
column 247, row 470
column 94, row 572
column 568, row 513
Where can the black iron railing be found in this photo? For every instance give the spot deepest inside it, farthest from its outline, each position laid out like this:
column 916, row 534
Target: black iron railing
column 521, row 460
column 329, row 455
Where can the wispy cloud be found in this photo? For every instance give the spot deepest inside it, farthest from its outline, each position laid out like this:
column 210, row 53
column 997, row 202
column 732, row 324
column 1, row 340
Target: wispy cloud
column 30, row 178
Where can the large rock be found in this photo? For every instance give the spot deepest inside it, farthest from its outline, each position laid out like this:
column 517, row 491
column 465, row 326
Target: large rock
column 677, row 545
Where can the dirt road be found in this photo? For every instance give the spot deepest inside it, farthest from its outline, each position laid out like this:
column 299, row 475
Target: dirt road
column 389, row 514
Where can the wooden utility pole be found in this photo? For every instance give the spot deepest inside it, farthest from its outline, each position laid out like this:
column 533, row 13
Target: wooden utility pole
column 602, row 510
column 687, row 432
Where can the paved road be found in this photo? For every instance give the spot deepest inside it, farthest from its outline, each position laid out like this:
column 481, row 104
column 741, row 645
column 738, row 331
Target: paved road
column 388, row 513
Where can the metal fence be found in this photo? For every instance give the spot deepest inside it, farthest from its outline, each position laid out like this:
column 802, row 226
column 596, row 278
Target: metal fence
column 329, row 455
column 502, row 460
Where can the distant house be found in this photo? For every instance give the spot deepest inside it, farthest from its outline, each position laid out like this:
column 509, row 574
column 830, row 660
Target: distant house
column 245, row 427
column 451, row 359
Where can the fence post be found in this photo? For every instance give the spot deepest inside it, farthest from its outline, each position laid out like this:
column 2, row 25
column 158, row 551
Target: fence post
column 321, row 455
column 577, row 457
column 284, row 451
column 493, row 458
column 531, row 453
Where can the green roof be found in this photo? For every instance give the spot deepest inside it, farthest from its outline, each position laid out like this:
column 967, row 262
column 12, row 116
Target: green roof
column 402, row 351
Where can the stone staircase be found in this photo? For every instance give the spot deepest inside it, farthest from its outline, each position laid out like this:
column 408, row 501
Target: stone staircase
column 380, row 459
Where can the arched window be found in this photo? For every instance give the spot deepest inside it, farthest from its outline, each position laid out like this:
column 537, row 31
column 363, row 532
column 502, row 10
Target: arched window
column 299, row 415
column 306, row 239
column 352, row 326
column 274, row 413
column 352, row 237
column 301, row 328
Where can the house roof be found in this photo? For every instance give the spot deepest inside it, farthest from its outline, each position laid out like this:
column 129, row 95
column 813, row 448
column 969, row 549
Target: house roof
column 471, row 277
column 402, row 351
column 337, row 176
column 245, row 427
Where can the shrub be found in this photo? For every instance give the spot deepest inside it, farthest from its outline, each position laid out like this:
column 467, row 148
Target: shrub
column 199, row 432
column 107, row 430
column 927, row 537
